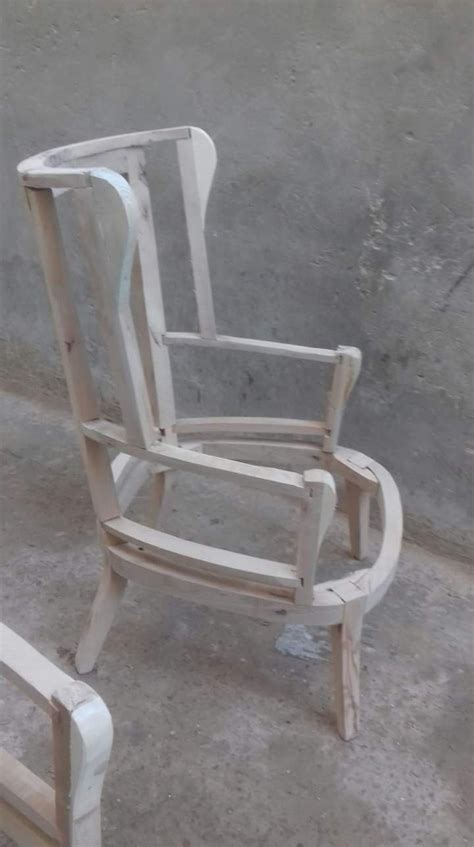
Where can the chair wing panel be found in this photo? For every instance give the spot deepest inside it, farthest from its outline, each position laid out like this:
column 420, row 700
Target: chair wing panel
column 116, row 232
column 205, row 156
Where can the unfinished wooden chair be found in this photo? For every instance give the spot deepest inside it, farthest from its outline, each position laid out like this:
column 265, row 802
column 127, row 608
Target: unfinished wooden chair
column 108, row 179
column 32, row 813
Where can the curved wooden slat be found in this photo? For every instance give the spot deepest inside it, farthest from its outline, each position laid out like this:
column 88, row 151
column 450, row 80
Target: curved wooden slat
column 180, row 551
column 116, row 232
column 59, row 156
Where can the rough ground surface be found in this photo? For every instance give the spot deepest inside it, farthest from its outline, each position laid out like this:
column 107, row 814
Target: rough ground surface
column 221, row 739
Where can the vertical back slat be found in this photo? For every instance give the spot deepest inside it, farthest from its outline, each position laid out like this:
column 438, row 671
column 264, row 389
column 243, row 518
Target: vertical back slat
column 147, row 276
column 82, row 391
column 197, row 244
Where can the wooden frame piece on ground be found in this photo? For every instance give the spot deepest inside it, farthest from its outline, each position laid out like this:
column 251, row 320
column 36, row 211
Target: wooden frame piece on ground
column 32, row 813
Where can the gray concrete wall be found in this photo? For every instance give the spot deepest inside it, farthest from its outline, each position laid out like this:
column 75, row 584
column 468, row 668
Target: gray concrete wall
column 341, row 211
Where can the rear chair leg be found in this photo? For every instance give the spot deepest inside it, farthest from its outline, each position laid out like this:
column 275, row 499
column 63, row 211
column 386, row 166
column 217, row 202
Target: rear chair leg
column 346, row 638
column 358, row 509
column 101, row 617
column 159, row 484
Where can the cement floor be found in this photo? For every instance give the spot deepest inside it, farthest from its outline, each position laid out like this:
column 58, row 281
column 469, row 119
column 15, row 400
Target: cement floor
column 223, row 738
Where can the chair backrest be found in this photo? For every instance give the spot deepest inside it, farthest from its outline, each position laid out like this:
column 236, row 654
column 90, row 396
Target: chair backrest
column 108, row 180
column 108, row 177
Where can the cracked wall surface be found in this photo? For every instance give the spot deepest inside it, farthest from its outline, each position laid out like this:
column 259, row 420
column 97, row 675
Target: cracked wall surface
column 341, row 212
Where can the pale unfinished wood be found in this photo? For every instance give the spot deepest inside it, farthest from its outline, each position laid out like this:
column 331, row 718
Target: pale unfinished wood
column 377, row 579
column 30, row 797
column 267, row 479
column 50, row 162
column 264, row 601
column 346, row 638
column 345, row 376
column 117, row 231
column 149, row 272
column 261, row 452
column 21, row 830
column 101, row 617
column 342, row 462
column 251, row 345
column 82, row 737
column 197, row 243
column 291, row 426
column 126, row 276
column 81, row 388
column 169, row 548
column 358, row 514
column 159, row 485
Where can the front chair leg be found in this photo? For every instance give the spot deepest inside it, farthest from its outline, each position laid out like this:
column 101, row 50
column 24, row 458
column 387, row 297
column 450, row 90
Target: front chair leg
column 101, row 617
column 346, row 638
column 358, row 512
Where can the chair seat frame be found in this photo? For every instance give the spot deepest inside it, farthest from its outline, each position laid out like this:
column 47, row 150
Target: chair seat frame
column 116, row 221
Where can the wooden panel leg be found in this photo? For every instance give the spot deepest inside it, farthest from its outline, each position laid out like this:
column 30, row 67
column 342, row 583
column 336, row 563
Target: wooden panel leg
column 346, row 639
column 104, row 608
column 358, row 509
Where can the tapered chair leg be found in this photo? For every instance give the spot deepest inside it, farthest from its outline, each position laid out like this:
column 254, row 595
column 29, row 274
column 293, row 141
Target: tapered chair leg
column 346, row 639
column 358, row 509
column 101, row 617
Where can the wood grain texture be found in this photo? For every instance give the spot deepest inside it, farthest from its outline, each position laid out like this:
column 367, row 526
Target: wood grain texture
column 197, row 242
column 152, row 442
column 346, row 638
column 316, row 515
column 82, row 737
column 272, row 480
column 31, row 797
column 101, row 617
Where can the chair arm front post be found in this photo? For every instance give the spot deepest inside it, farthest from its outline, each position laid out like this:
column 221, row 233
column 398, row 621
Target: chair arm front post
column 317, row 511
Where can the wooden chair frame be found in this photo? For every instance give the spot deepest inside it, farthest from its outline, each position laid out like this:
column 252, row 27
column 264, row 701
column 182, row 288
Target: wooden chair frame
column 116, row 221
column 31, row 812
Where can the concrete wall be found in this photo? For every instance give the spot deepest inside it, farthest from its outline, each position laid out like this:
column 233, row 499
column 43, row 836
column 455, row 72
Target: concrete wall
column 341, row 211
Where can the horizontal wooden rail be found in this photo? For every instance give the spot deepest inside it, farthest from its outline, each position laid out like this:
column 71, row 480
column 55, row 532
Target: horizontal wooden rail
column 252, row 345
column 354, row 467
column 180, row 551
column 266, row 479
column 28, row 795
column 377, row 579
column 291, row 426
